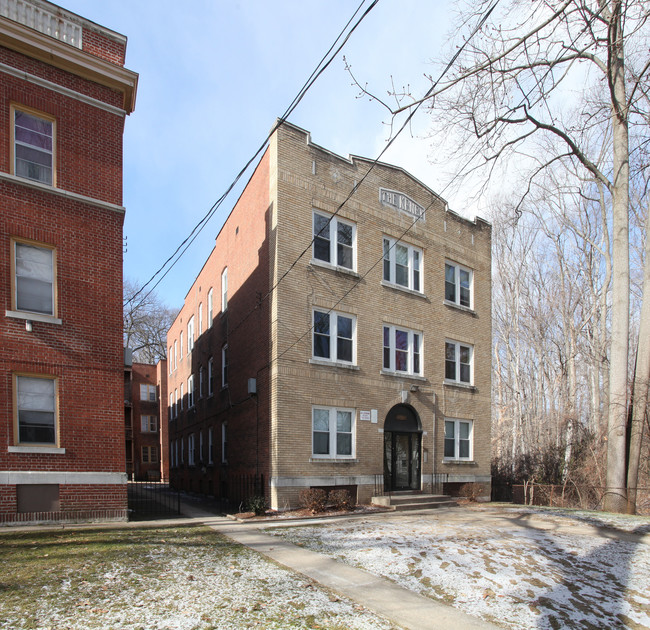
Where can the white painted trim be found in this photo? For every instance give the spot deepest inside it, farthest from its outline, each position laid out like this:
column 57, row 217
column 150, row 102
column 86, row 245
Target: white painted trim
column 62, row 193
column 11, row 477
column 55, row 87
column 46, row 450
column 33, row 317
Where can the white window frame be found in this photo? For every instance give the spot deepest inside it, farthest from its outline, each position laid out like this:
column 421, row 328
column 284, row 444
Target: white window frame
column 210, row 377
column 176, row 403
column 333, row 337
column 410, row 350
column 171, row 405
column 19, row 276
column 210, row 445
column 457, row 440
column 175, row 354
column 16, row 143
column 457, row 299
column 200, row 318
column 38, row 402
column 224, row 366
column 180, row 391
column 148, row 423
column 210, row 307
column 171, row 364
column 201, row 446
column 191, row 450
column 190, row 335
column 329, row 234
column 182, row 451
column 389, row 265
column 180, row 345
column 333, row 432
column 201, row 382
column 190, row 391
column 224, row 290
column 224, row 442
column 457, row 345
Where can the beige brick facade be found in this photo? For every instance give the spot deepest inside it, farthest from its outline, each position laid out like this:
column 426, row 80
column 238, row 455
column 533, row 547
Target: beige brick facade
column 294, row 381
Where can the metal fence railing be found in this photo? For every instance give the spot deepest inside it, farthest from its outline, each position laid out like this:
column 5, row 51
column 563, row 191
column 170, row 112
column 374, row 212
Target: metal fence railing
column 152, row 499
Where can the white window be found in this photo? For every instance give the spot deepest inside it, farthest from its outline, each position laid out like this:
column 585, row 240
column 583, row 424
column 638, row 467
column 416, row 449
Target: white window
column 176, row 403
column 149, row 454
column 210, row 376
column 175, row 354
column 149, row 424
column 334, row 241
column 34, row 269
column 333, row 432
column 224, row 442
column 171, row 365
column 458, row 362
column 210, row 445
column 148, row 393
column 171, row 406
column 402, row 350
column 190, row 391
column 458, row 285
column 334, row 337
column 459, row 439
column 224, row 366
column 201, row 381
column 33, row 146
column 190, row 334
column 402, row 264
column 180, row 400
column 180, row 345
column 36, row 410
column 200, row 446
column 191, row 450
column 182, row 451
column 200, row 318
column 210, row 311
column 224, row 290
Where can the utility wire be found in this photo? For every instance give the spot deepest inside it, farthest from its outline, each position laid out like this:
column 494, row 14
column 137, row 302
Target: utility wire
column 198, row 228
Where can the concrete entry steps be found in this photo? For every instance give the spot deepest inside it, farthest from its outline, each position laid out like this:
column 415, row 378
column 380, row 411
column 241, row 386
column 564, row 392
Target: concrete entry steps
column 403, row 501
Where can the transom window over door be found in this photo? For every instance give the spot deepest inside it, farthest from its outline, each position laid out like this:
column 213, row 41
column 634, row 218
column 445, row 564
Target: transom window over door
column 334, row 335
column 334, row 241
column 34, row 269
column 402, row 265
column 33, row 146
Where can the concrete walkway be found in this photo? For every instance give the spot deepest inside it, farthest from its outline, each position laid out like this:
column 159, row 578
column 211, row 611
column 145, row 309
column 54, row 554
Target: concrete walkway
column 403, row 607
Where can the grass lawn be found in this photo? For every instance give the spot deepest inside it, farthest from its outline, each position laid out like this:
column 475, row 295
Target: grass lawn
column 156, row 578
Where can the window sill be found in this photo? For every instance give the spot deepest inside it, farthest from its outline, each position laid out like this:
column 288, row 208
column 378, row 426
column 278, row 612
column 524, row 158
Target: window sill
column 333, row 460
column 37, row 450
column 34, row 317
column 415, row 377
column 459, row 307
column 457, row 385
column 325, row 265
column 399, row 287
column 336, row 364
column 460, row 462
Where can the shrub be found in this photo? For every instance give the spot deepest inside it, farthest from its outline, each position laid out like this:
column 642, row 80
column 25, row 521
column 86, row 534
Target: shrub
column 340, row 499
column 314, row 499
column 471, row 491
column 256, row 504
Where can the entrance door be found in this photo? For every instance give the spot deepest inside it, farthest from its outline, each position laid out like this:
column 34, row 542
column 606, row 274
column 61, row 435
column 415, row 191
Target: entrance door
column 402, row 453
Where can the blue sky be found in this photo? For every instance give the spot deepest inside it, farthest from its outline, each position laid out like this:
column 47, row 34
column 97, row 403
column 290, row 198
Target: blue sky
column 214, row 76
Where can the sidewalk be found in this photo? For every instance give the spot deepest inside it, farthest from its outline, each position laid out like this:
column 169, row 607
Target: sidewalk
column 401, row 606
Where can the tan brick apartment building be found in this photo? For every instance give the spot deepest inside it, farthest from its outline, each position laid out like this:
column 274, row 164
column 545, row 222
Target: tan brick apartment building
column 64, row 97
column 334, row 339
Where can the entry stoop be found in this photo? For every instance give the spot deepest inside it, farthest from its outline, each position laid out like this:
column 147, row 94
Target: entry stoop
column 403, row 501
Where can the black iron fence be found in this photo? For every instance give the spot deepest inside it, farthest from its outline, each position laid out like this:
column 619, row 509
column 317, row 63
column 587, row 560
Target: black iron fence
column 152, row 499
column 238, row 490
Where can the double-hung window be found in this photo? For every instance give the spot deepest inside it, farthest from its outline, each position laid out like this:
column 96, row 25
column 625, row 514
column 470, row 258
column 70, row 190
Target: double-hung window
column 171, row 406
column 33, row 146
column 210, row 445
column 190, row 391
column 402, row 264
column 210, row 376
column 191, row 450
column 458, row 285
column 210, row 306
column 201, row 382
column 458, row 362
column 224, row 366
column 149, row 454
column 171, row 365
column 458, row 439
column 333, row 432
column 224, row 290
column 334, row 241
column 149, row 424
column 147, row 393
column 190, row 334
column 175, row 353
column 36, row 410
column 180, row 405
column 34, row 274
column 176, row 403
column 200, row 318
column 180, row 345
column 224, row 442
column 334, row 337
column 402, row 350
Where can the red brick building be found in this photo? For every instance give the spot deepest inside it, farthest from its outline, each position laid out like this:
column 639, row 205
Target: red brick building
column 64, row 97
column 146, row 435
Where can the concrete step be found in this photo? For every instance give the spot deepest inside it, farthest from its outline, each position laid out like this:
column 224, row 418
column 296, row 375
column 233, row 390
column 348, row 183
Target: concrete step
column 414, row 501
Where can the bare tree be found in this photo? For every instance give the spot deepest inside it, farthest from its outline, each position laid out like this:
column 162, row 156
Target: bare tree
column 146, row 322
